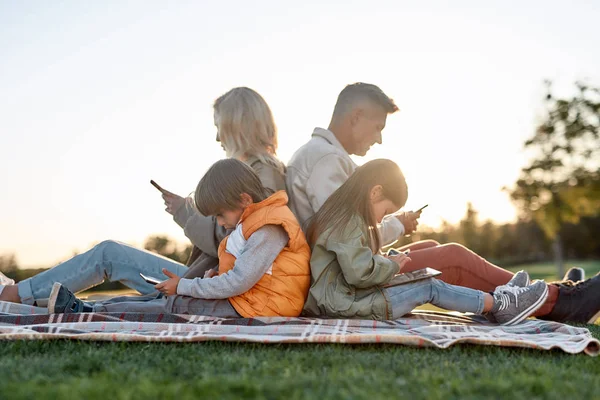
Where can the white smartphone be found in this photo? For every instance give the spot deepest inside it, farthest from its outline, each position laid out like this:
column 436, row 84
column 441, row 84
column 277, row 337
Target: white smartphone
column 392, row 252
column 151, row 280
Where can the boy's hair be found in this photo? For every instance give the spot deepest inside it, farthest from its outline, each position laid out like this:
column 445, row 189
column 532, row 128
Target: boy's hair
column 359, row 92
column 246, row 127
column 353, row 198
column 223, row 184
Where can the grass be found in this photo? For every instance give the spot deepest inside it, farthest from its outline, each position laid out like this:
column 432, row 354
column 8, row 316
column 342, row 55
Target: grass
column 67, row 369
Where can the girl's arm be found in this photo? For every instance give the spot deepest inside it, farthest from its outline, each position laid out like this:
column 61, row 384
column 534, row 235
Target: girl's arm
column 362, row 268
column 257, row 257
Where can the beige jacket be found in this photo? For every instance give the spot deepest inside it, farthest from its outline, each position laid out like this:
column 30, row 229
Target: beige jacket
column 316, row 170
column 205, row 233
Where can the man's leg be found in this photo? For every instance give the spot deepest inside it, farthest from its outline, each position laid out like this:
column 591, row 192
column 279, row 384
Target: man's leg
column 420, row 245
column 462, row 267
column 108, row 260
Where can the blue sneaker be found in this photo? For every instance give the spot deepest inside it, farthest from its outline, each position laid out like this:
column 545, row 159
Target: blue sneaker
column 62, row 301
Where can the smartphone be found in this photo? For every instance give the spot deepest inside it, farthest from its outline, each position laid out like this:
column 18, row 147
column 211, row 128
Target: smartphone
column 156, row 185
column 151, row 280
column 421, row 209
column 392, row 252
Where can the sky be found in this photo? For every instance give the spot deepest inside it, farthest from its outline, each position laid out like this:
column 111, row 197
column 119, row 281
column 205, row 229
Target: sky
column 97, row 98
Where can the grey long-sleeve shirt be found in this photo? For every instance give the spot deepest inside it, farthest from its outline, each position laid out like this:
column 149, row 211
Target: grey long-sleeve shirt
column 255, row 260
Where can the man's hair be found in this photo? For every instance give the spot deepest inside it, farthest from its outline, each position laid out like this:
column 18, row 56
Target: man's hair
column 223, row 184
column 359, row 92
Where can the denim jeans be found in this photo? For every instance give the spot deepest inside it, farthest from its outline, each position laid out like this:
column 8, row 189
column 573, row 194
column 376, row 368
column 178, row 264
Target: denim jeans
column 110, row 260
column 405, row 298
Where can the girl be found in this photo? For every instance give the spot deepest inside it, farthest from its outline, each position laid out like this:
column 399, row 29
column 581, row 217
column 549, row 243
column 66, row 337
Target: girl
column 247, row 131
column 349, row 272
column 263, row 264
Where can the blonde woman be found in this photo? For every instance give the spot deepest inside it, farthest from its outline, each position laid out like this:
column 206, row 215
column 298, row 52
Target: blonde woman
column 247, row 132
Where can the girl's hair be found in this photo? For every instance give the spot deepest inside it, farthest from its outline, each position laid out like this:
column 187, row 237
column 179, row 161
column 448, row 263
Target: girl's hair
column 246, row 127
column 223, row 184
column 353, row 198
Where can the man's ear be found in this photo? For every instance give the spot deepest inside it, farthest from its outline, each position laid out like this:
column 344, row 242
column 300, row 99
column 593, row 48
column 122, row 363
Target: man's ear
column 245, row 200
column 376, row 193
column 356, row 115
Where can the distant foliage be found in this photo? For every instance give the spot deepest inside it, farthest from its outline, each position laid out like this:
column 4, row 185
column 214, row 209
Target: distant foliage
column 167, row 247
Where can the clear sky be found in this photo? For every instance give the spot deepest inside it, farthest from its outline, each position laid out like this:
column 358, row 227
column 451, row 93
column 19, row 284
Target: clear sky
column 97, row 98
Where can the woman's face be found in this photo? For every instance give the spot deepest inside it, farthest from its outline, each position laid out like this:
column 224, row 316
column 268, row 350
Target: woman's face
column 217, row 120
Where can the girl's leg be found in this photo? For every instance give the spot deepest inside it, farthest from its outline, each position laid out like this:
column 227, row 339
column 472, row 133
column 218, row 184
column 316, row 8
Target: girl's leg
column 110, row 260
column 404, row 298
column 462, row 267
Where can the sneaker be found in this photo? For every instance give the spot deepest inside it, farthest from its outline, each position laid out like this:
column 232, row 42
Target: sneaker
column 513, row 304
column 575, row 274
column 62, row 301
column 520, row 279
column 577, row 301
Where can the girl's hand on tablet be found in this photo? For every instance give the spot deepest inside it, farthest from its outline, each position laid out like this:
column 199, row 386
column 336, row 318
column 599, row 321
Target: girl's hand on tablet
column 400, row 259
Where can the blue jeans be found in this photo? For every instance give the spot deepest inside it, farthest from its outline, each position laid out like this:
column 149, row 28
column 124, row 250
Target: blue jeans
column 405, row 298
column 110, row 260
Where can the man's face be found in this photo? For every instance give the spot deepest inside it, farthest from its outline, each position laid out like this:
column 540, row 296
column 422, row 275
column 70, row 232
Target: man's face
column 367, row 124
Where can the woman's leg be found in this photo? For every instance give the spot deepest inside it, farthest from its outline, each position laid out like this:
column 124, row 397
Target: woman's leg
column 462, row 267
column 110, row 260
column 404, row 298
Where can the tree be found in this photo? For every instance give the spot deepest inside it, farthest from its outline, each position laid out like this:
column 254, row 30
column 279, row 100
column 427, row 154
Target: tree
column 8, row 264
column 562, row 182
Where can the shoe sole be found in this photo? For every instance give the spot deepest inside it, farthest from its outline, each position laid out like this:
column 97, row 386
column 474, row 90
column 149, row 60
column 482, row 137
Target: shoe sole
column 533, row 308
column 594, row 318
column 53, row 296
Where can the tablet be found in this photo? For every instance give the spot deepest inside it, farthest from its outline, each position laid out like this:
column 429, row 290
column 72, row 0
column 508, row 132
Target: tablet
column 408, row 277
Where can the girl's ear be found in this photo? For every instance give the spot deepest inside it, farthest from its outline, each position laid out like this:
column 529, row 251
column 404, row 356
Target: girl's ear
column 376, row 193
column 245, row 200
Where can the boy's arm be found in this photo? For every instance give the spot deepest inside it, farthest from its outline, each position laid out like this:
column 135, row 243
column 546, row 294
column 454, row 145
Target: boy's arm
column 261, row 250
column 203, row 232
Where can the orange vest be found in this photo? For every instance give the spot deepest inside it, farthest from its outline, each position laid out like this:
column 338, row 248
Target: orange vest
column 283, row 291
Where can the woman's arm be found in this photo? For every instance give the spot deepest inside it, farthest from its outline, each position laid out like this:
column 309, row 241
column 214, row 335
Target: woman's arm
column 257, row 257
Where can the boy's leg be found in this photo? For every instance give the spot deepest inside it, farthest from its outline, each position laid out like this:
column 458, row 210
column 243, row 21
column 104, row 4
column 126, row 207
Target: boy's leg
column 462, row 267
column 110, row 260
column 404, row 298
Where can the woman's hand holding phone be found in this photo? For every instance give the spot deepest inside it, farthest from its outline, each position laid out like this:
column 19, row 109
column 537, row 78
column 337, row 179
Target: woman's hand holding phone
column 172, row 201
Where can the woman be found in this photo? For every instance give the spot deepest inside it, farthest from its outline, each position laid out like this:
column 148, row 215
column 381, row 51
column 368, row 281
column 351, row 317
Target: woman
column 247, row 131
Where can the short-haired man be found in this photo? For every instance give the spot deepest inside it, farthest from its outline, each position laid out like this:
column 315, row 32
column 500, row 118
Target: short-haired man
column 323, row 164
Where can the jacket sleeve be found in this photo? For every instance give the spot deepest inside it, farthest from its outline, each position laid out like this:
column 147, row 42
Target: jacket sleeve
column 361, row 268
column 328, row 174
column 390, row 230
column 203, row 232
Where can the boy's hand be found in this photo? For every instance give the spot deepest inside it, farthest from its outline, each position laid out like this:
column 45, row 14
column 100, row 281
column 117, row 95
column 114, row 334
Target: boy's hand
column 400, row 259
column 168, row 287
column 210, row 273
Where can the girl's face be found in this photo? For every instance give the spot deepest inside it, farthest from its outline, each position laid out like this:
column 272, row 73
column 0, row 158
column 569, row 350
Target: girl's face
column 380, row 205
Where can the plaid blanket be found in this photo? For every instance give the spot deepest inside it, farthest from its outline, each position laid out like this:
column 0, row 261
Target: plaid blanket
column 421, row 329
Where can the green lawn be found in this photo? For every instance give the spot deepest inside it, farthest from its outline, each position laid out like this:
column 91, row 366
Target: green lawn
column 65, row 369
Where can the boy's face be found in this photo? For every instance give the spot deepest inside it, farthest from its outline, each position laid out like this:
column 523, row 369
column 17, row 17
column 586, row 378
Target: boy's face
column 229, row 218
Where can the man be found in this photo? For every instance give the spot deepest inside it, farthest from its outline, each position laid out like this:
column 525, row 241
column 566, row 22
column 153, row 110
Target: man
column 323, row 164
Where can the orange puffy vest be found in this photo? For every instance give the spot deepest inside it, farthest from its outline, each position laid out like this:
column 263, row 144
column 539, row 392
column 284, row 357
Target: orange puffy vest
column 283, row 291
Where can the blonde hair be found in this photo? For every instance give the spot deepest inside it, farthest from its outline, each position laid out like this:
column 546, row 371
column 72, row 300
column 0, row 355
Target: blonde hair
column 223, row 184
column 246, row 127
column 352, row 198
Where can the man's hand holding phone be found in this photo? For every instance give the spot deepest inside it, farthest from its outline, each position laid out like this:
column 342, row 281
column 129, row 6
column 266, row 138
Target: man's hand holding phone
column 410, row 220
column 172, row 201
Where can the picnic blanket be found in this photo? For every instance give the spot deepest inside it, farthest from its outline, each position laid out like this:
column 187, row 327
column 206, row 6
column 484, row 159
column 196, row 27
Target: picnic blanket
column 421, row 329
